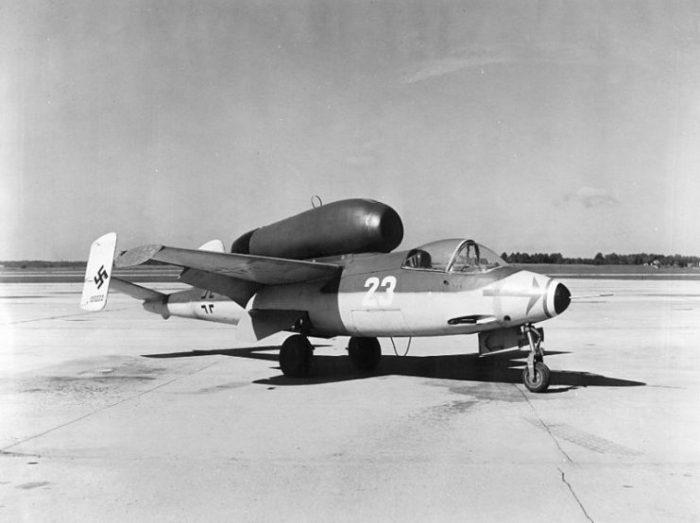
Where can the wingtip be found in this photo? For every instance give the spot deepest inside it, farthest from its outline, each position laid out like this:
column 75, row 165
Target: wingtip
column 136, row 256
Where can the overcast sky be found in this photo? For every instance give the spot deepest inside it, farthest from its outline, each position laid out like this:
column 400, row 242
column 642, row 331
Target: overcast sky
column 568, row 127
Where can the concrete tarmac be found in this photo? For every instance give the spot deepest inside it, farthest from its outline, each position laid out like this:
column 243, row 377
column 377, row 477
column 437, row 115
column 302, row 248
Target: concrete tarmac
column 121, row 415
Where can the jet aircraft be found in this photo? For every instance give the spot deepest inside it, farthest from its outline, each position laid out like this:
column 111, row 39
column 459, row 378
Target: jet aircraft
column 332, row 271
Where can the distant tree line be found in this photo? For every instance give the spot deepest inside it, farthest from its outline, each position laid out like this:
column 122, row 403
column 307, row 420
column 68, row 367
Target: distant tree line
column 45, row 264
column 41, row 264
column 661, row 260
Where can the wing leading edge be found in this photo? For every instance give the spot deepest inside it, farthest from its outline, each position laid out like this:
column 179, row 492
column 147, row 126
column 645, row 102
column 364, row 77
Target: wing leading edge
column 235, row 275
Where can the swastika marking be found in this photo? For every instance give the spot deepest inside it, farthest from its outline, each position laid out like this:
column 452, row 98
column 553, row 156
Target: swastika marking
column 101, row 277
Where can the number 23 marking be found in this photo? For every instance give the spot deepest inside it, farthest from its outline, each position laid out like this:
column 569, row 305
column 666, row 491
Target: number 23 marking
column 386, row 299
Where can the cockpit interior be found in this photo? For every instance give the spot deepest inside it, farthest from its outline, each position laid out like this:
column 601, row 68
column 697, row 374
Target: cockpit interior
column 455, row 255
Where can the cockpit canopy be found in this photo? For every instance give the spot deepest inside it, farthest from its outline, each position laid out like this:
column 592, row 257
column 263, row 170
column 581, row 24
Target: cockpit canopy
column 455, row 255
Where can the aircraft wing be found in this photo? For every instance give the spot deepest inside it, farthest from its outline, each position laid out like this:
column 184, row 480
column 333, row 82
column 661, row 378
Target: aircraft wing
column 261, row 270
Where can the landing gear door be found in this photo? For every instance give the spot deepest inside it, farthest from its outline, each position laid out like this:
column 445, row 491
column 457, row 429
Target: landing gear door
column 501, row 340
column 368, row 322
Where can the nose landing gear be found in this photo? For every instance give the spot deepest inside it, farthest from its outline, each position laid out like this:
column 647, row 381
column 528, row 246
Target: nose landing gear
column 536, row 373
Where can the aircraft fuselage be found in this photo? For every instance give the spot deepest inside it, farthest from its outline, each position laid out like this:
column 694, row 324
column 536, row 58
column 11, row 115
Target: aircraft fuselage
column 376, row 296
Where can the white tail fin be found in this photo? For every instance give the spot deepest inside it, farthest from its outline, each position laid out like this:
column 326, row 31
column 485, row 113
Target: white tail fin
column 213, row 246
column 98, row 273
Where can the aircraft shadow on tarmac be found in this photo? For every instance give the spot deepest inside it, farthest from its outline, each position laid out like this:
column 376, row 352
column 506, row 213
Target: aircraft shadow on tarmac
column 500, row 368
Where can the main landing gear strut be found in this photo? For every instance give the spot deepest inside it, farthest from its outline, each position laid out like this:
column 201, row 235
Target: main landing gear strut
column 536, row 373
column 296, row 355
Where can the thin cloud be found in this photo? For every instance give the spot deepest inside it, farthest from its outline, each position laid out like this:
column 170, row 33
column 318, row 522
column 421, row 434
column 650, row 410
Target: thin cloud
column 365, row 155
column 362, row 161
column 539, row 52
column 450, row 65
column 591, row 197
column 468, row 59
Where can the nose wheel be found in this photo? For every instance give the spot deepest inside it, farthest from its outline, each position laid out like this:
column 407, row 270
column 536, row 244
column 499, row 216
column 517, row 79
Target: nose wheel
column 536, row 374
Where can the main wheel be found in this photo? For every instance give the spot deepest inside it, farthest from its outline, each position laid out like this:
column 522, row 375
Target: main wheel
column 541, row 381
column 364, row 353
column 295, row 356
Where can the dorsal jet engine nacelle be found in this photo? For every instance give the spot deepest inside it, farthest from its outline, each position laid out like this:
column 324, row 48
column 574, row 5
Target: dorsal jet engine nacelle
column 344, row 227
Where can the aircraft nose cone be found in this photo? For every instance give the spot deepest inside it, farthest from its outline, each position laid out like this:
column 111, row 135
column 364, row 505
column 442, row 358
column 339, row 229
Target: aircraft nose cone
column 562, row 298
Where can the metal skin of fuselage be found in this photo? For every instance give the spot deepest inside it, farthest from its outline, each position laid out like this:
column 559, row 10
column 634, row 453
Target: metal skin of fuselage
column 375, row 296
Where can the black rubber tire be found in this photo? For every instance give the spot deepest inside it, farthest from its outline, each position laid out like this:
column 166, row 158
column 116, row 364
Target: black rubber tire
column 295, row 356
column 364, row 353
column 541, row 381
